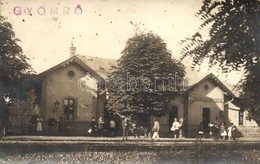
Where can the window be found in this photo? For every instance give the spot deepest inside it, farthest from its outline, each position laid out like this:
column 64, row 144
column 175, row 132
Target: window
column 69, row 108
column 71, row 74
column 206, row 87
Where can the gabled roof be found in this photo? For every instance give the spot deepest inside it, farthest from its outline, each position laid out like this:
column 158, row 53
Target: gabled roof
column 216, row 80
column 193, row 76
column 98, row 67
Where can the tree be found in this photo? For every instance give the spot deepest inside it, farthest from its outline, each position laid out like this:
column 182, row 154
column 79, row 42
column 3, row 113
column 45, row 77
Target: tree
column 146, row 77
column 13, row 63
column 233, row 43
column 13, row 67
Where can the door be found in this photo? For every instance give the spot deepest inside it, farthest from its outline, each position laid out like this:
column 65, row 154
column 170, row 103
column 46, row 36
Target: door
column 206, row 119
column 173, row 113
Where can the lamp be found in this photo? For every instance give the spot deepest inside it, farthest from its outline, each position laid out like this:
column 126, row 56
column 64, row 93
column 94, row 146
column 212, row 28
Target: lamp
column 56, row 106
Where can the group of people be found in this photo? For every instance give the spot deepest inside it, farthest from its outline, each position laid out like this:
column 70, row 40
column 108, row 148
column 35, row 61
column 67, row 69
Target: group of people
column 219, row 131
column 101, row 128
column 98, row 128
column 225, row 132
column 130, row 125
column 177, row 127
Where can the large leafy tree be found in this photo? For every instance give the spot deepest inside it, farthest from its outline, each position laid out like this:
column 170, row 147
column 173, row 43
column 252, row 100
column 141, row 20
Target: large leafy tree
column 146, row 77
column 13, row 68
column 13, row 63
column 233, row 43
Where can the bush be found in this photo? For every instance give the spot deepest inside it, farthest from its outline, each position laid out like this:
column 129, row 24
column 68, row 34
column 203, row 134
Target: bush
column 21, row 113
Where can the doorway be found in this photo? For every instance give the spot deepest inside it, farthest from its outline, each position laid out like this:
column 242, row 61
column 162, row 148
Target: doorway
column 206, row 119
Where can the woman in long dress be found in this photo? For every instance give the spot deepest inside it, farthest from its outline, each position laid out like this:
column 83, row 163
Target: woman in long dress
column 39, row 125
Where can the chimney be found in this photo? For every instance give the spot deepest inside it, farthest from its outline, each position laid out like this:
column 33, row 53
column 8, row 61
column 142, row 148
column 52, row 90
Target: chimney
column 72, row 50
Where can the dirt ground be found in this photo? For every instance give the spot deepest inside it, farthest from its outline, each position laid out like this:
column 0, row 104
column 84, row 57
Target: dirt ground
column 190, row 155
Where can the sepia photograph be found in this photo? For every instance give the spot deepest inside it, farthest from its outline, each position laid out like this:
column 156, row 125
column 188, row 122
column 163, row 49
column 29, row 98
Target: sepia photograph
column 130, row 81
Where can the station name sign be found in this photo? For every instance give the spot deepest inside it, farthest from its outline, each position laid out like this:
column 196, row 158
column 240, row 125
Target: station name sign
column 205, row 99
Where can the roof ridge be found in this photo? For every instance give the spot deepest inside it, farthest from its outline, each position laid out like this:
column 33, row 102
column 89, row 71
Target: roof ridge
column 95, row 57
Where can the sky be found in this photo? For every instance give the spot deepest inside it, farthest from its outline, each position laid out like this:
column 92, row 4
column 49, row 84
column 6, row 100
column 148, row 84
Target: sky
column 99, row 28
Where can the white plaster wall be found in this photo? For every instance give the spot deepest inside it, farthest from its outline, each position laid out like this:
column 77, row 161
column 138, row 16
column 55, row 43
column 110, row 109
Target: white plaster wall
column 233, row 116
column 195, row 108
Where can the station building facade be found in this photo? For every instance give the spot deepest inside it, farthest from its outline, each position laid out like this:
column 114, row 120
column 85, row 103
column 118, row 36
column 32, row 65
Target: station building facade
column 65, row 94
column 206, row 99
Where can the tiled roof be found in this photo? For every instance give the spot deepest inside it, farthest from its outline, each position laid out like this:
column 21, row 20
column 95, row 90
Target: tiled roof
column 194, row 77
column 102, row 66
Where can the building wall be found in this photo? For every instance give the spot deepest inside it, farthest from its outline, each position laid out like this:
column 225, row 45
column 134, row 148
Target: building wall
column 233, row 116
column 58, row 85
column 206, row 95
column 165, row 122
column 178, row 101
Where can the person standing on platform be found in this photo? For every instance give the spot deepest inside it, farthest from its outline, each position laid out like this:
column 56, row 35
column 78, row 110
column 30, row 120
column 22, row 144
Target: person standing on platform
column 101, row 127
column 175, row 128
column 181, row 128
column 155, row 129
column 93, row 127
column 231, row 132
column 39, row 125
column 223, row 132
column 112, row 127
column 125, row 127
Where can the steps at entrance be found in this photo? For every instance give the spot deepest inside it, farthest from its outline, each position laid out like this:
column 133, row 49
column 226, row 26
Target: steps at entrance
column 249, row 131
